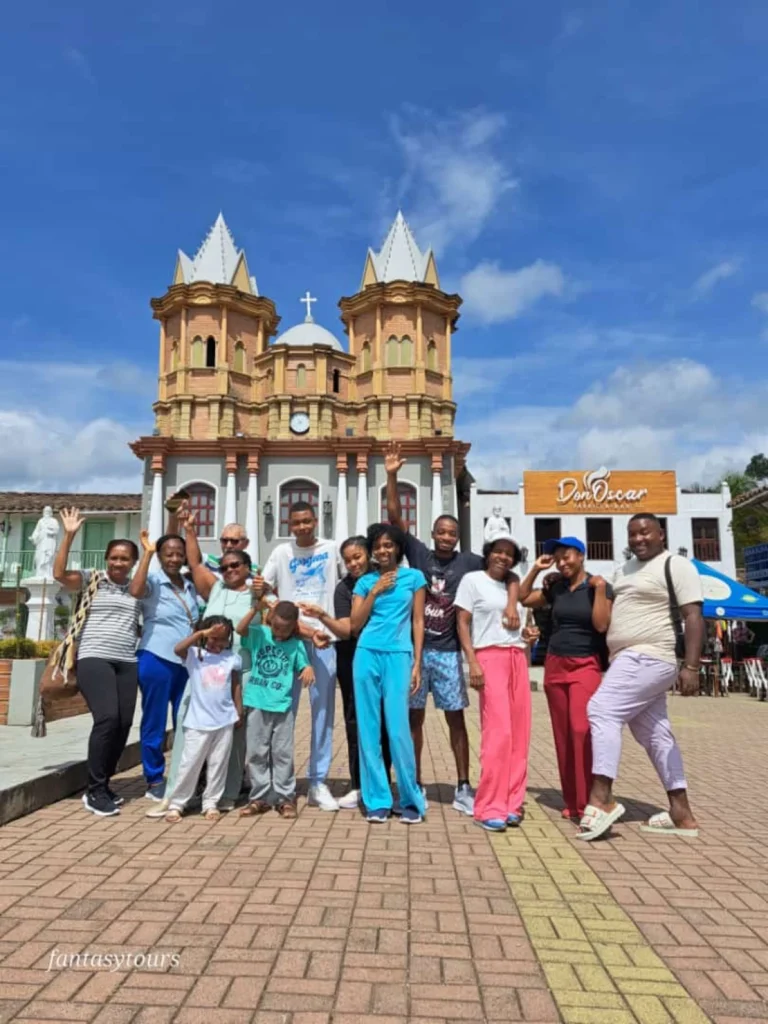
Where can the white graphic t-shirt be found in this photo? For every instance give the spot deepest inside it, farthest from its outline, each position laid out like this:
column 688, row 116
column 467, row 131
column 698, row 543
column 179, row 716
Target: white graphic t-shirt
column 305, row 574
column 210, row 682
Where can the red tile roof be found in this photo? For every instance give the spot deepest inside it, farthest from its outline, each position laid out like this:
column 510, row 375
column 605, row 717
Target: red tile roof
column 757, row 496
column 35, row 501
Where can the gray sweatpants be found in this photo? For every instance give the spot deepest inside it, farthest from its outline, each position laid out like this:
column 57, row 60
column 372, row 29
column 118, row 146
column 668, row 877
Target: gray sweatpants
column 269, row 755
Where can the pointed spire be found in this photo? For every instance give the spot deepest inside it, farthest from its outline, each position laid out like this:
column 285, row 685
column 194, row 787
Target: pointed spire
column 217, row 261
column 400, row 258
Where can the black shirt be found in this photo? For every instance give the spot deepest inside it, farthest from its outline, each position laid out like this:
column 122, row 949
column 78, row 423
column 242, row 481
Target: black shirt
column 342, row 608
column 573, row 635
column 443, row 578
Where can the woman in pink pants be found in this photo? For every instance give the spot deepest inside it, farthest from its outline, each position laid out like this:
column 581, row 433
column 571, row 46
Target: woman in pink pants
column 498, row 668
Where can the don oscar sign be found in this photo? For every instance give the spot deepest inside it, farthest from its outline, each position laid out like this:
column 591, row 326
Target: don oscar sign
column 600, row 492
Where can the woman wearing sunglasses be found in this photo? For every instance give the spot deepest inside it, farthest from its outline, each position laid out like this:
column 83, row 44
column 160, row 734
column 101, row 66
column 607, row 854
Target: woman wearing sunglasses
column 227, row 593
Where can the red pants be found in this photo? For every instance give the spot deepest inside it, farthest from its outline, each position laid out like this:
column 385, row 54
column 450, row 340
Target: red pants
column 569, row 683
column 505, row 720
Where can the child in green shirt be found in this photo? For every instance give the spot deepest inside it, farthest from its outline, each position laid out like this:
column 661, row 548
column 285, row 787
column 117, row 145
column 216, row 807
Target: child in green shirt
column 278, row 657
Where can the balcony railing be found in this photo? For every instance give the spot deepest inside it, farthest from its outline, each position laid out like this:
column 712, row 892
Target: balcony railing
column 600, row 550
column 706, row 549
column 20, row 565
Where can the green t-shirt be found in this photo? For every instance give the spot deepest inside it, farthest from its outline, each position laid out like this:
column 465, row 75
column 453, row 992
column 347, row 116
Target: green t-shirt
column 274, row 667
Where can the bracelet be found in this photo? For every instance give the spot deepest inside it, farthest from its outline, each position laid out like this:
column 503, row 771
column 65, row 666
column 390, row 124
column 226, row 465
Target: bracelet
column 692, row 668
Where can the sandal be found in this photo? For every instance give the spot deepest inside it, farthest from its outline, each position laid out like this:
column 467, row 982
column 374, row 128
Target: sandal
column 596, row 823
column 212, row 814
column 253, row 809
column 287, row 810
column 662, row 824
column 173, row 817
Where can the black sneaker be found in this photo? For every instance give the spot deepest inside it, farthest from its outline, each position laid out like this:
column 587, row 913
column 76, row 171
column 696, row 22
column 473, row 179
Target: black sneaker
column 116, row 799
column 99, row 804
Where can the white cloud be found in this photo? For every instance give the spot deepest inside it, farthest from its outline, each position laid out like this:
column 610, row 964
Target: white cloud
column 454, row 178
column 712, row 277
column 669, row 415
column 494, row 295
column 80, row 62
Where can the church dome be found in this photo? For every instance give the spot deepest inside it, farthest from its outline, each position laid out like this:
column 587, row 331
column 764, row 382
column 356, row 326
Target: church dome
column 309, row 333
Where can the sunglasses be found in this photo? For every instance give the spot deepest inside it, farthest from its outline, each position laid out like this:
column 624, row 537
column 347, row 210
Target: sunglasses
column 230, row 540
column 230, row 565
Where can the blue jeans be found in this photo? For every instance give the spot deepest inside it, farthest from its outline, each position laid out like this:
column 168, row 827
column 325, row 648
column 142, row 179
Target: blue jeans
column 322, row 703
column 385, row 676
column 161, row 683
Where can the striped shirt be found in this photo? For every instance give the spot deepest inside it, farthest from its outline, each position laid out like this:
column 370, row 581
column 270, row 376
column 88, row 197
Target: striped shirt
column 111, row 629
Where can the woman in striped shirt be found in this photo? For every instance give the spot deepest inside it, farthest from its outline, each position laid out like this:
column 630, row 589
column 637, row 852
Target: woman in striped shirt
column 106, row 658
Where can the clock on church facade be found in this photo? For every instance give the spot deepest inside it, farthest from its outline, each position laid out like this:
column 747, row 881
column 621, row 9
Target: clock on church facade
column 248, row 420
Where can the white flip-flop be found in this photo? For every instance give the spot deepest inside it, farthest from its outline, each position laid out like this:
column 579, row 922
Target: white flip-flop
column 661, row 824
column 595, row 822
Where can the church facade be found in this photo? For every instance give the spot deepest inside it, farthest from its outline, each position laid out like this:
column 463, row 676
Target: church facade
column 249, row 419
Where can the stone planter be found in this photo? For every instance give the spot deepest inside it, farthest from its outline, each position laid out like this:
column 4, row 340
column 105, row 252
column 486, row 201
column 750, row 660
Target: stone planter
column 19, row 687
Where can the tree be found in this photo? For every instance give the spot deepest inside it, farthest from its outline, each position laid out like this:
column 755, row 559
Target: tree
column 757, row 468
column 750, row 524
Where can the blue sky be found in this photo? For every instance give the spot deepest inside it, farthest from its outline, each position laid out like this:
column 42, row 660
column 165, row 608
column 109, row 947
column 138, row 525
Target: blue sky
column 592, row 177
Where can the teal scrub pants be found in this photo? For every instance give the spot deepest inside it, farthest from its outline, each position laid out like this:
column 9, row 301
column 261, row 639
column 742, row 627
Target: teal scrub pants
column 384, row 677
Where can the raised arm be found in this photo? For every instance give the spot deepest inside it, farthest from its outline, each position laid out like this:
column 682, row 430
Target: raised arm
column 259, row 604
column 393, row 463
column 71, row 520
column 601, row 606
column 202, row 577
column 138, row 585
column 193, row 640
column 529, row 597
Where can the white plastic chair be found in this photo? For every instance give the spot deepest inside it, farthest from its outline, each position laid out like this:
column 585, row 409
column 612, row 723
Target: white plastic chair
column 726, row 679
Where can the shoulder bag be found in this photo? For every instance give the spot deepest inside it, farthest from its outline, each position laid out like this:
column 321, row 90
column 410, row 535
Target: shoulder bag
column 674, row 612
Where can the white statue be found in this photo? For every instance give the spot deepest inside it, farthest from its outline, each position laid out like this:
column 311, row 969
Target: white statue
column 45, row 538
column 495, row 525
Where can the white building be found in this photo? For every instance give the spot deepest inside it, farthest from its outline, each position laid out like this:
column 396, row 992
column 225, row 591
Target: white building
column 596, row 506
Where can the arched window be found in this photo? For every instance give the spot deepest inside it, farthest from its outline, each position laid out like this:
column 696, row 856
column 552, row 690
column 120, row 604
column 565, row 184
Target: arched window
column 239, row 362
column 432, row 356
column 202, row 501
column 198, row 352
column 174, row 357
column 406, row 351
column 301, row 376
column 210, row 353
column 291, row 492
column 336, row 381
column 366, row 357
column 393, row 352
column 408, row 502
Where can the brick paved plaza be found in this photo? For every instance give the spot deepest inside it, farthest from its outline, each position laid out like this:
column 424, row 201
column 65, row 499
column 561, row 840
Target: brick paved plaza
column 328, row 919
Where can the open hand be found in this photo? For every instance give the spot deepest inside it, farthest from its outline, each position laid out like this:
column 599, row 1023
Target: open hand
column 71, row 520
column 312, row 611
column 307, row 676
column 544, row 562
column 393, row 460
column 217, row 632
column 385, row 582
column 146, row 543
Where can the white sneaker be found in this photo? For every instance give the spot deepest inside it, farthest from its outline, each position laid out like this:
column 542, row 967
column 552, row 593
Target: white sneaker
column 464, row 800
column 320, row 796
column 424, row 794
column 350, row 801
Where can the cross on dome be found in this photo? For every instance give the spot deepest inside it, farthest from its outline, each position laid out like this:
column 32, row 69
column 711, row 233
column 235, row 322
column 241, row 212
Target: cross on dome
column 308, row 300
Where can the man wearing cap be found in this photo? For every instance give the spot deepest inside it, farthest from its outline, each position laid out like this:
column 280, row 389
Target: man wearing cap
column 442, row 670
column 581, row 610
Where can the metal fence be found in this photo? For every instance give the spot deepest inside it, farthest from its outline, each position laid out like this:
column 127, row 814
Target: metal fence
column 13, row 562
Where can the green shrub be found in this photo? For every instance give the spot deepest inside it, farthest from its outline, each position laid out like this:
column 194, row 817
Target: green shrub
column 45, row 648
column 18, row 648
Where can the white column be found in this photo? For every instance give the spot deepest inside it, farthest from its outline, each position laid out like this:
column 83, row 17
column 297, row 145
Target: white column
column 156, row 517
column 437, row 495
column 252, row 517
column 230, row 501
column 361, row 526
column 342, row 514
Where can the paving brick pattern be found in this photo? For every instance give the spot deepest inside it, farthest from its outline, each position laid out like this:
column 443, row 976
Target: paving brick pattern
column 328, row 919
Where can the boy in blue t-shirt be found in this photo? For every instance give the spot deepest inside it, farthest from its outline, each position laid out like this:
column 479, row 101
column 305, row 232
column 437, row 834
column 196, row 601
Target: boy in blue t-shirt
column 278, row 656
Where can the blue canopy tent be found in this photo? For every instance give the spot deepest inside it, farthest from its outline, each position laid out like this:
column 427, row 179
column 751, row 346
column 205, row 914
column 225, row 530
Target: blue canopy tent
column 725, row 598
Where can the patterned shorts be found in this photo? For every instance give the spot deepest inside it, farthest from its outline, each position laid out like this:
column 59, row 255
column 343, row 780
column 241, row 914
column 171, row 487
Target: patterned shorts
column 442, row 673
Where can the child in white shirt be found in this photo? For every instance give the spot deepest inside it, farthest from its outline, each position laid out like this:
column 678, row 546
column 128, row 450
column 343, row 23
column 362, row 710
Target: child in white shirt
column 215, row 709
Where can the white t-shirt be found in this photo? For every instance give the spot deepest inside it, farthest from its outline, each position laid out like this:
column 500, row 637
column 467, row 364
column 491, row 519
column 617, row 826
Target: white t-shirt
column 486, row 599
column 210, row 683
column 305, row 574
column 641, row 619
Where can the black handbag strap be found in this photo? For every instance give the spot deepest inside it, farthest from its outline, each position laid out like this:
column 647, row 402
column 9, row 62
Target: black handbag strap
column 674, row 607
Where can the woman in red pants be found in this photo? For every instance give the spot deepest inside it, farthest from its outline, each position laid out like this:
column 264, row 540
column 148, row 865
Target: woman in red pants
column 573, row 670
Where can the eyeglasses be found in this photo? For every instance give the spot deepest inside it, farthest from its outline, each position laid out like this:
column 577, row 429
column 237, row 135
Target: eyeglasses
column 231, row 540
column 230, row 565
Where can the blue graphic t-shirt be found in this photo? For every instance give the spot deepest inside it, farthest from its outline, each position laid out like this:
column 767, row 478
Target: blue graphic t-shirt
column 389, row 627
column 274, row 667
column 307, row 574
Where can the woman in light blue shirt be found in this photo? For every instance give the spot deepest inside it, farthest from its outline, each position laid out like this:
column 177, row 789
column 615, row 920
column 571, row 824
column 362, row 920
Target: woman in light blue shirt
column 169, row 610
column 388, row 615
